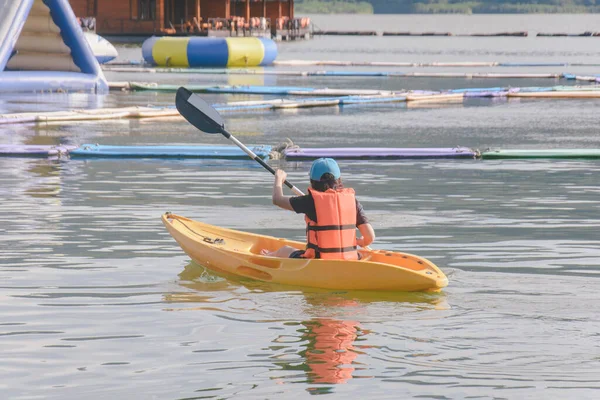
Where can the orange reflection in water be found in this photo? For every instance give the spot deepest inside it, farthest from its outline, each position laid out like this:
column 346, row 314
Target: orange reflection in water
column 331, row 352
column 332, row 338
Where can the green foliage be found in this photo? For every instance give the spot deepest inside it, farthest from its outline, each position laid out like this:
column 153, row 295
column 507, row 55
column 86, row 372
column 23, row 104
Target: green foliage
column 333, row 7
column 446, row 6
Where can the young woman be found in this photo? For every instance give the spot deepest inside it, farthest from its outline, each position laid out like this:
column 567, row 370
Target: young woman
column 332, row 215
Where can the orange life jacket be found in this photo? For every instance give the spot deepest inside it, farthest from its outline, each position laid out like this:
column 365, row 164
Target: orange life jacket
column 333, row 237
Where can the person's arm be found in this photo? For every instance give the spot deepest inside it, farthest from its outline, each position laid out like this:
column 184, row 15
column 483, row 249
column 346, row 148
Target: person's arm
column 279, row 199
column 364, row 227
column 368, row 235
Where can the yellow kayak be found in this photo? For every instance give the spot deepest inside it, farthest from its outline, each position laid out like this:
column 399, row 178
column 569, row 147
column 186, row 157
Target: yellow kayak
column 238, row 253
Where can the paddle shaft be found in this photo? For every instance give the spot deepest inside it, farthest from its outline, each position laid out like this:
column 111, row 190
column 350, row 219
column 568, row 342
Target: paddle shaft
column 258, row 160
column 204, row 117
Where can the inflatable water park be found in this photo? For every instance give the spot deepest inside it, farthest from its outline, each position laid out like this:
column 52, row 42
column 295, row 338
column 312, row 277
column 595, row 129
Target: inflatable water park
column 42, row 48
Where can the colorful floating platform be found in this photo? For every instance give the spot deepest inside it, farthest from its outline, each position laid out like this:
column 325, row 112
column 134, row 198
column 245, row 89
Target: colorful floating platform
column 97, row 150
column 305, row 98
column 261, row 90
column 363, row 74
column 289, row 153
column 449, row 34
column 374, row 153
column 108, row 151
column 329, row 92
column 541, row 153
column 303, row 63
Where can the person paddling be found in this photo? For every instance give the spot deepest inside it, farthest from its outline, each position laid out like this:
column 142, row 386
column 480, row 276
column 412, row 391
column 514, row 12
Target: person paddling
column 332, row 215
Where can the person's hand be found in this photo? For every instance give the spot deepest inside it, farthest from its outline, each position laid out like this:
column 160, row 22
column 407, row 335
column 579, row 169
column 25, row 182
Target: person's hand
column 360, row 242
column 280, row 176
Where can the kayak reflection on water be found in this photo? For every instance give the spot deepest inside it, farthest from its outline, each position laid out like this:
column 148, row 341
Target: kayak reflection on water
column 327, row 342
column 330, row 351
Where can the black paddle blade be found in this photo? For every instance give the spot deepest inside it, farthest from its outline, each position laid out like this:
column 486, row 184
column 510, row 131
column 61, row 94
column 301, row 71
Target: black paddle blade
column 198, row 112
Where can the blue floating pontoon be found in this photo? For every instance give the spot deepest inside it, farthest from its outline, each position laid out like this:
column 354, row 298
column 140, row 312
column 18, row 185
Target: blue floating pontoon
column 349, row 73
column 275, row 90
column 476, row 90
column 42, row 48
column 96, row 150
column 532, row 64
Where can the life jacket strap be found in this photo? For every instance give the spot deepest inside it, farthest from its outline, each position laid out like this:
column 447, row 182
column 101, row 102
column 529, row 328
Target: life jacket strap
column 330, row 249
column 315, row 228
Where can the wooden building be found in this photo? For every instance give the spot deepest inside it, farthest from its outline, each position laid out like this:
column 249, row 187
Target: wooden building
column 148, row 17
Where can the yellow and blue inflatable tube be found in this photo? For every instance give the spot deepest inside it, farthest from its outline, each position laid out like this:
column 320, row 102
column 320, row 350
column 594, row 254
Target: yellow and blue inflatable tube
column 209, row 52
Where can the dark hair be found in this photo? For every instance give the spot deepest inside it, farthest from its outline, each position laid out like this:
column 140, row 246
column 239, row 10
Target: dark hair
column 327, row 182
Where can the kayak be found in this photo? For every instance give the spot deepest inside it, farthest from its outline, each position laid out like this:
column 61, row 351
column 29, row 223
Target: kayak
column 239, row 253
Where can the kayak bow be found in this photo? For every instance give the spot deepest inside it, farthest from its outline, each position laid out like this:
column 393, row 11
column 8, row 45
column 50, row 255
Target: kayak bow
column 238, row 253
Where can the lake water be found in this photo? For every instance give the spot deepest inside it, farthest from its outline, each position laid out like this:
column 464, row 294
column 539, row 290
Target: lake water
column 97, row 300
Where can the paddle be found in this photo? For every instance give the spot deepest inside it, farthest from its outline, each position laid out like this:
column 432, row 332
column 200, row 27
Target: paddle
column 204, row 117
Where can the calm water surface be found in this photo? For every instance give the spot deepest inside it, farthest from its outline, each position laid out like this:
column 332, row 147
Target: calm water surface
column 97, row 299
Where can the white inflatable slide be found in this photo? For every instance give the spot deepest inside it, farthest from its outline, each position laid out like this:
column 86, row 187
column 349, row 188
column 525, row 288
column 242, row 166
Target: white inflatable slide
column 42, row 48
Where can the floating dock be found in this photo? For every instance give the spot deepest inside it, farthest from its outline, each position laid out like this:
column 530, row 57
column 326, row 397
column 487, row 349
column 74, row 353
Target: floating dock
column 345, row 33
column 377, row 153
column 326, row 92
column 448, row 34
column 305, row 98
column 541, row 153
column 305, row 63
column 24, row 150
column 288, row 152
column 347, row 73
column 88, row 151
column 106, row 151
